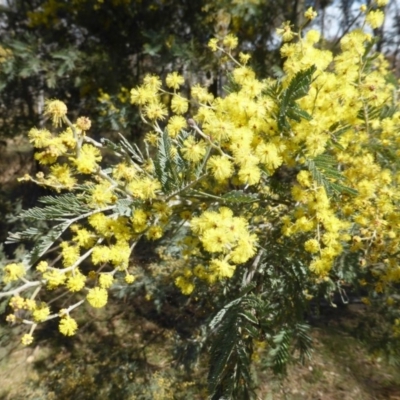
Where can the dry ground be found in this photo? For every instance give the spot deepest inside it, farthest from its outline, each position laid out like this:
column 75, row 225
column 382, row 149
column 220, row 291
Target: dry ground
column 113, row 350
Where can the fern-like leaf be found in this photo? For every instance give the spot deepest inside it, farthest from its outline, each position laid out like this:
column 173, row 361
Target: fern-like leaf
column 222, row 348
column 46, row 241
column 238, row 196
column 325, row 173
column 298, row 88
column 303, row 340
column 221, row 313
column 124, row 148
column 57, row 208
column 234, row 329
column 165, row 166
column 279, row 354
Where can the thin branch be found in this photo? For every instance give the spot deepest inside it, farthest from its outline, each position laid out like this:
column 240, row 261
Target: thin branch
column 20, row 289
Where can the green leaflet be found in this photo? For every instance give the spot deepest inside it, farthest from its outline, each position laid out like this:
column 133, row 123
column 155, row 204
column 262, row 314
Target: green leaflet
column 43, row 242
column 298, row 88
column 124, row 148
column 220, row 315
column 162, row 163
column 222, row 349
column 171, row 169
column 167, row 167
column 66, row 209
column 324, row 171
column 376, row 112
column 279, row 354
column 239, row 196
column 233, row 330
column 304, row 340
column 57, row 208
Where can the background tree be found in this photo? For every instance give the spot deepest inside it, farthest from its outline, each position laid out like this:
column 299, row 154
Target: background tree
column 91, row 52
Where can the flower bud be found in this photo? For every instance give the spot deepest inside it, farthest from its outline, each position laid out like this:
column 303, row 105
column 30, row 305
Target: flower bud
column 83, row 123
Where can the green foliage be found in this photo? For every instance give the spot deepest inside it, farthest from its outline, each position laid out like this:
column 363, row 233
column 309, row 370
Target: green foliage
column 60, row 208
column 239, row 196
column 286, row 98
column 233, row 332
column 234, row 328
column 298, row 88
column 168, row 168
column 65, row 208
column 324, row 171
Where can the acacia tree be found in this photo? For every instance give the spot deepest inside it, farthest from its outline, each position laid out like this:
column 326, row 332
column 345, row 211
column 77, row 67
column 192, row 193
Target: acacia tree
column 277, row 192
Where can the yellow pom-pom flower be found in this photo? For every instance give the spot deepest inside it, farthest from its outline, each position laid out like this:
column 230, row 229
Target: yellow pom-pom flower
column 221, row 167
column 213, row 44
column 17, row 302
column 83, row 123
column 382, row 3
column 97, row 297
column 193, row 151
column 310, row 14
column 68, row 326
column 129, row 278
column 174, row 80
column 312, row 246
column 375, row 19
column 11, row 318
column 57, row 111
column 183, row 284
column 179, row 105
column 222, row 268
column 156, row 110
column 88, row 159
column 175, row 124
column 105, row 280
column 54, row 278
column 286, row 32
column 41, row 313
column 27, row 339
column 13, row 272
column 230, row 41
column 76, row 282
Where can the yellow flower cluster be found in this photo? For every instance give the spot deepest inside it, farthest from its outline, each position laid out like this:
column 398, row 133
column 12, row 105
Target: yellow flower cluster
column 221, row 232
column 13, row 272
column 5, row 54
column 76, row 281
column 228, row 241
column 88, row 159
column 39, row 312
column 83, row 158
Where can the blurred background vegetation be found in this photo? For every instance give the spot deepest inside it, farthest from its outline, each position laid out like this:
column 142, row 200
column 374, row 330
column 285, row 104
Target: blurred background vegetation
column 90, row 53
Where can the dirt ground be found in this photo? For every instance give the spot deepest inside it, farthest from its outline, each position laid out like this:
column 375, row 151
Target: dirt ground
column 128, row 350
